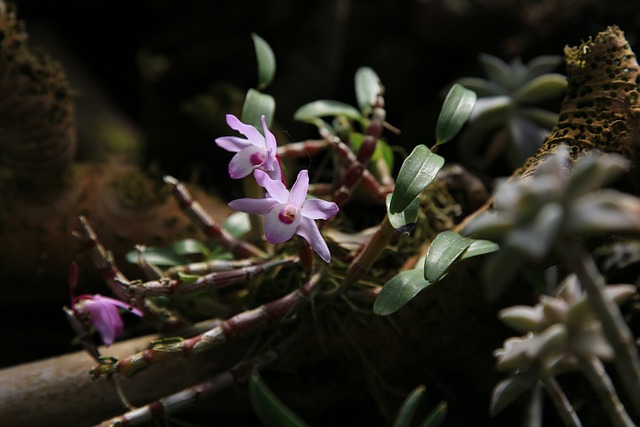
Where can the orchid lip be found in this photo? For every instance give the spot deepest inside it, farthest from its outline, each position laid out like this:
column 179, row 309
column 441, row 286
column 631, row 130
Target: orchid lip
column 288, row 214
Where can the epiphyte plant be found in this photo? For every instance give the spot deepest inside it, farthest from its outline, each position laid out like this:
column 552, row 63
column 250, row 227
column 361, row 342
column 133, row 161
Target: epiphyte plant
column 508, row 121
column 278, row 213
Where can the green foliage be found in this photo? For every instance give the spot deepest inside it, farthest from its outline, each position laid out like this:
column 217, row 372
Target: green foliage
column 409, row 407
column 323, row 108
column 399, row 291
column 445, row 249
column 368, row 87
column 455, row 112
column 508, row 101
column 266, row 61
column 404, row 221
column 271, row 411
column 255, row 105
column 416, row 172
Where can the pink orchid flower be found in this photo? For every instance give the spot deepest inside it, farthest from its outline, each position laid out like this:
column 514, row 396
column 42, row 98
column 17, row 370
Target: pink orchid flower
column 288, row 213
column 103, row 314
column 256, row 152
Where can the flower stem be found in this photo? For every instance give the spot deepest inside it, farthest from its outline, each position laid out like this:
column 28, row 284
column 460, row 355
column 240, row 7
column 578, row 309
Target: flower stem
column 565, row 410
column 613, row 324
column 594, row 370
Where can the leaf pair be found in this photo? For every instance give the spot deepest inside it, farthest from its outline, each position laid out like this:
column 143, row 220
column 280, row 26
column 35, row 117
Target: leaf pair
column 446, row 249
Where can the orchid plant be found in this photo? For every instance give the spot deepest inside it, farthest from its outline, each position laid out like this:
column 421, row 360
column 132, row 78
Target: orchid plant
column 532, row 217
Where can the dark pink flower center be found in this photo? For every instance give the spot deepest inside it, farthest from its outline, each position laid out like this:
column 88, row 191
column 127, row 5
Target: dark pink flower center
column 288, row 214
column 257, row 158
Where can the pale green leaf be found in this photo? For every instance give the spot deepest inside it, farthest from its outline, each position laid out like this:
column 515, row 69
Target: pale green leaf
column 325, row 107
column 445, row 249
column 436, row 416
column 271, row 411
column 416, row 172
column 189, row 247
column 480, row 247
column 496, row 69
column 541, row 88
column 367, row 88
column 237, row 224
column 160, row 257
column 257, row 104
column 455, row 112
column 404, row 221
column 266, row 61
column 399, row 291
column 408, row 408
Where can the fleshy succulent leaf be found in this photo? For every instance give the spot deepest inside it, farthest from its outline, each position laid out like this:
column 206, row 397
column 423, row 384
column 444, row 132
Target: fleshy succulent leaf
column 266, row 61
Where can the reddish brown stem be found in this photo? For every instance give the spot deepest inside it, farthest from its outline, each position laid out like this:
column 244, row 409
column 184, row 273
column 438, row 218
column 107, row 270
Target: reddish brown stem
column 234, row 327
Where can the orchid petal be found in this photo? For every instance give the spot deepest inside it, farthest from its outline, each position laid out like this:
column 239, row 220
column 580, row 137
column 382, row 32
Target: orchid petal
column 276, row 188
column 277, row 231
column 118, row 303
column 240, row 165
column 299, row 189
column 270, row 140
column 233, row 143
column 254, row 206
column 318, row 209
column 106, row 319
column 254, row 136
column 308, row 230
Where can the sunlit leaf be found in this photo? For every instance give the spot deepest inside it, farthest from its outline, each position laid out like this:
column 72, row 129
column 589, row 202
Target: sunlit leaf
column 480, row 247
column 255, row 105
column 436, row 416
column 237, row 224
column 408, row 408
column 324, row 107
column 271, row 411
column 161, row 257
column 455, row 112
column 189, row 247
column 482, row 87
column 367, row 88
column 398, row 291
column 266, row 61
column 404, row 221
column 445, row 249
column 187, row 278
column 416, row 172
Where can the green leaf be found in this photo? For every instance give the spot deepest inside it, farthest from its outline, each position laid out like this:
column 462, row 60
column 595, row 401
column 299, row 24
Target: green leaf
column 404, row 221
column 436, row 416
column 271, row 411
column 324, row 107
column 189, row 247
column 266, row 61
column 508, row 390
column 445, row 249
column 398, row 291
column 367, row 88
column 455, row 112
column 496, row 69
column 157, row 256
column 237, row 224
column 416, row 172
column 408, row 408
column 541, row 88
column 255, row 105
column 480, row 247
column 187, row 278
